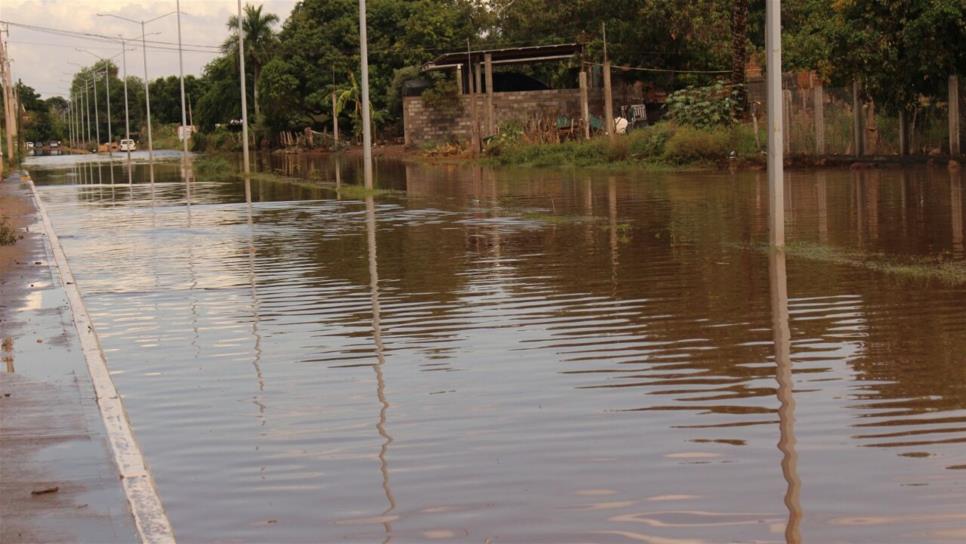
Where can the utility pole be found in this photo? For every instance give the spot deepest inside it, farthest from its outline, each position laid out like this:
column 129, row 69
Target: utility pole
column 7, row 101
column 97, row 116
column 127, row 115
column 184, row 118
column 776, row 152
column 608, row 96
column 244, row 90
column 366, row 117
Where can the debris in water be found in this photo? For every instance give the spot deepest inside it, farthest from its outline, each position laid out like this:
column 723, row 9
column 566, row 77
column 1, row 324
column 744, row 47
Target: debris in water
column 45, row 491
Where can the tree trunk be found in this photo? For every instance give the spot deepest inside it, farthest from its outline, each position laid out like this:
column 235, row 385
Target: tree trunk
column 258, row 72
column 739, row 53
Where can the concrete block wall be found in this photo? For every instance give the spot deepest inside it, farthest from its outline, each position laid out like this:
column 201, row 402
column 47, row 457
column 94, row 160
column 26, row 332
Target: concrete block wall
column 425, row 124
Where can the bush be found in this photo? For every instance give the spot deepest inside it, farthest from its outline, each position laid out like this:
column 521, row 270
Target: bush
column 649, row 142
column 704, row 107
column 698, row 145
column 214, row 168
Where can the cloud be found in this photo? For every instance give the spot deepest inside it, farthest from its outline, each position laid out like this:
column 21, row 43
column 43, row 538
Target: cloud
column 43, row 60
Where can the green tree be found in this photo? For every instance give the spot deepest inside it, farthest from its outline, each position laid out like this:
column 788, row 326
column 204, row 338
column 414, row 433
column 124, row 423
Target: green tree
column 260, row 40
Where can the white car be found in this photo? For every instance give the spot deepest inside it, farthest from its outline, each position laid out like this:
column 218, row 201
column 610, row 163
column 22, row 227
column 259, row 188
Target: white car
column 128, row 145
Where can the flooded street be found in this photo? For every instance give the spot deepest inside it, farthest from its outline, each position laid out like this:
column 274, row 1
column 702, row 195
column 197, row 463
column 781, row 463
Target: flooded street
column 520, row 356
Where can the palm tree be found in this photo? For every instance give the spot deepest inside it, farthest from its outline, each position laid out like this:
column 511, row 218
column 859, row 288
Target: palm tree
column 259, row 39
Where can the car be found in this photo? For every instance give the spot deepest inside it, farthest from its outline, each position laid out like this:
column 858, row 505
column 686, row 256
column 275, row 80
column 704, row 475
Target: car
column 54, row 144
column 30, row 145
column 128, row 145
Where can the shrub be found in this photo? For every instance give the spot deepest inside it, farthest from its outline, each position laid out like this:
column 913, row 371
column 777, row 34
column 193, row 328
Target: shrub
column 697, row 145
column 649, row 143
column 704, row 107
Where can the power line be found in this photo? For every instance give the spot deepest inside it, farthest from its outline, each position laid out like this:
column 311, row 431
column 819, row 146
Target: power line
column 156, row 44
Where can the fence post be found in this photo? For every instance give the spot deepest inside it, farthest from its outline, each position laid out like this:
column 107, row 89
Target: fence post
column 954, row 148
column 335, row 119
column 608, row 103
column 856, row 120
column 490, row 121
column 459, row 78
column 818, row 103
column 584, row 106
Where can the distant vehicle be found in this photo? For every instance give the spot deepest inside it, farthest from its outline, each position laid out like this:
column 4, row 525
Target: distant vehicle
column 54, row 144
column 128, row 145
column 30, row 145
column 38, row 145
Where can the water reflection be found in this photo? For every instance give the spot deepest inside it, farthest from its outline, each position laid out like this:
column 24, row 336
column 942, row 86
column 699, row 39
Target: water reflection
column 778, row 280
column 575, row 356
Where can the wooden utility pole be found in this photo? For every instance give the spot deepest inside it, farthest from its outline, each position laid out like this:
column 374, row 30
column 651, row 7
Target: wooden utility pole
column 608, row 97
column 490, row 121
column 584, row 105
column 776, row 155
column 7, row 101
column 954, row 144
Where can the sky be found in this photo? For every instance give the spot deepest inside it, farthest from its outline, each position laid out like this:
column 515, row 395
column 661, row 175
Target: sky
column 43, row 60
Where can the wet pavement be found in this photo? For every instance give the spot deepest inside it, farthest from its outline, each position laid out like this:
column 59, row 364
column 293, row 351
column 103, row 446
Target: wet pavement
column 58, row 481
column 531, row 356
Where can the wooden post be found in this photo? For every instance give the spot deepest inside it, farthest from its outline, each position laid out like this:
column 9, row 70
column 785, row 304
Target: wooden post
column 903, row 137
column 459, row 79
column 584, row 105
column 608, row 103
column 954, row 147
column 475, row 128
column 818, row 97
column 490, row 121
column 787, row 119
column 856, row 120
column 478, row 83
column 335, row 119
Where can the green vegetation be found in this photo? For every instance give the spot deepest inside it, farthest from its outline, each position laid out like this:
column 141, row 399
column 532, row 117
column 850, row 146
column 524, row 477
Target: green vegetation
column 914, row 268
column 664, row 144
column 8, row 234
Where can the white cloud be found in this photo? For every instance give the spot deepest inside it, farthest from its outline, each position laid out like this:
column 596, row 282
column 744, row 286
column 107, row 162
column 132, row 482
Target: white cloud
column 41, row 59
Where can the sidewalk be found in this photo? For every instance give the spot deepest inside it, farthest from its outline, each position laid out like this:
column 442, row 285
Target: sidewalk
column 58, row 479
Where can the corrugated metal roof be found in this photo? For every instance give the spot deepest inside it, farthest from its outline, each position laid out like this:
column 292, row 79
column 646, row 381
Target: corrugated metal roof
column 535, row 53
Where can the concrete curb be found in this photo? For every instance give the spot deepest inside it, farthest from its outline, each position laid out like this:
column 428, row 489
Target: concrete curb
column 145, row 504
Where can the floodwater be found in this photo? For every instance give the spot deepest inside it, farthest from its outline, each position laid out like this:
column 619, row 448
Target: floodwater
column 530, row 356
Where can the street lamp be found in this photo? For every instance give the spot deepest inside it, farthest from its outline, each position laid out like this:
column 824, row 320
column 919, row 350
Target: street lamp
column 87, row 101
column 184, row 118
column 147, row 84
column 107, row 79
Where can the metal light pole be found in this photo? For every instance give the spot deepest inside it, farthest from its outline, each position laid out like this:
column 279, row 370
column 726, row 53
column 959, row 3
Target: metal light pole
column 107, row 79
column 244, row 91
column 776, row 174
column 147, row 83
column 127, row 115
column 366, row 117
column 184, row 115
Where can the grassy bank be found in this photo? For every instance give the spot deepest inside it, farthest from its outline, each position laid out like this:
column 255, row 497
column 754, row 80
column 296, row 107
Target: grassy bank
column 221, row 168
column 951, row 273
column 662, row 145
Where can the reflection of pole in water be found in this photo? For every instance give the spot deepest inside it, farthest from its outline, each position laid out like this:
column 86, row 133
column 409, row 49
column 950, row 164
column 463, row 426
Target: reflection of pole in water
column 612, row 213
column 956, row 211
column 338, row 177
column 783, row 375
column 380, row 361
column 821, row 191
column 256, row 362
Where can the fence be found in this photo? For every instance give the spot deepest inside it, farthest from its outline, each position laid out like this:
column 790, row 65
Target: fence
column 821, row 120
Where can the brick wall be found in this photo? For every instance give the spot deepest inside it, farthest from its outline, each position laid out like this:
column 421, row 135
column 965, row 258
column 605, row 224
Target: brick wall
column 427, row 125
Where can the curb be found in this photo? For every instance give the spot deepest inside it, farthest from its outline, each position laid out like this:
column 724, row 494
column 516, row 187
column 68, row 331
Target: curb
column 149, row 517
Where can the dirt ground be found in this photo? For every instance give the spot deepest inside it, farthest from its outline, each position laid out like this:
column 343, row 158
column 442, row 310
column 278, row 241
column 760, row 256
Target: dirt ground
column 58, row 480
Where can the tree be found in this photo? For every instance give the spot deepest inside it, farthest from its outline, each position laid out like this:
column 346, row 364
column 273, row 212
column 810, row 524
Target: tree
column 260, row 39
column 739, row 51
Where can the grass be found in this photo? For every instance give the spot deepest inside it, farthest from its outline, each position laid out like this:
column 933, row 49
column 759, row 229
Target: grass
column 8, row 234
column 912, row 268
column 218, row 168
column 662, row 146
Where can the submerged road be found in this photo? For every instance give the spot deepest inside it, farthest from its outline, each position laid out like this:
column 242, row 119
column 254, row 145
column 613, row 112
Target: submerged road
column 58, row 480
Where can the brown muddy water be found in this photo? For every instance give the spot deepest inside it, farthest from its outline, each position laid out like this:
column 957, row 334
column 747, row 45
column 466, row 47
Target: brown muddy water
column 530, row 356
